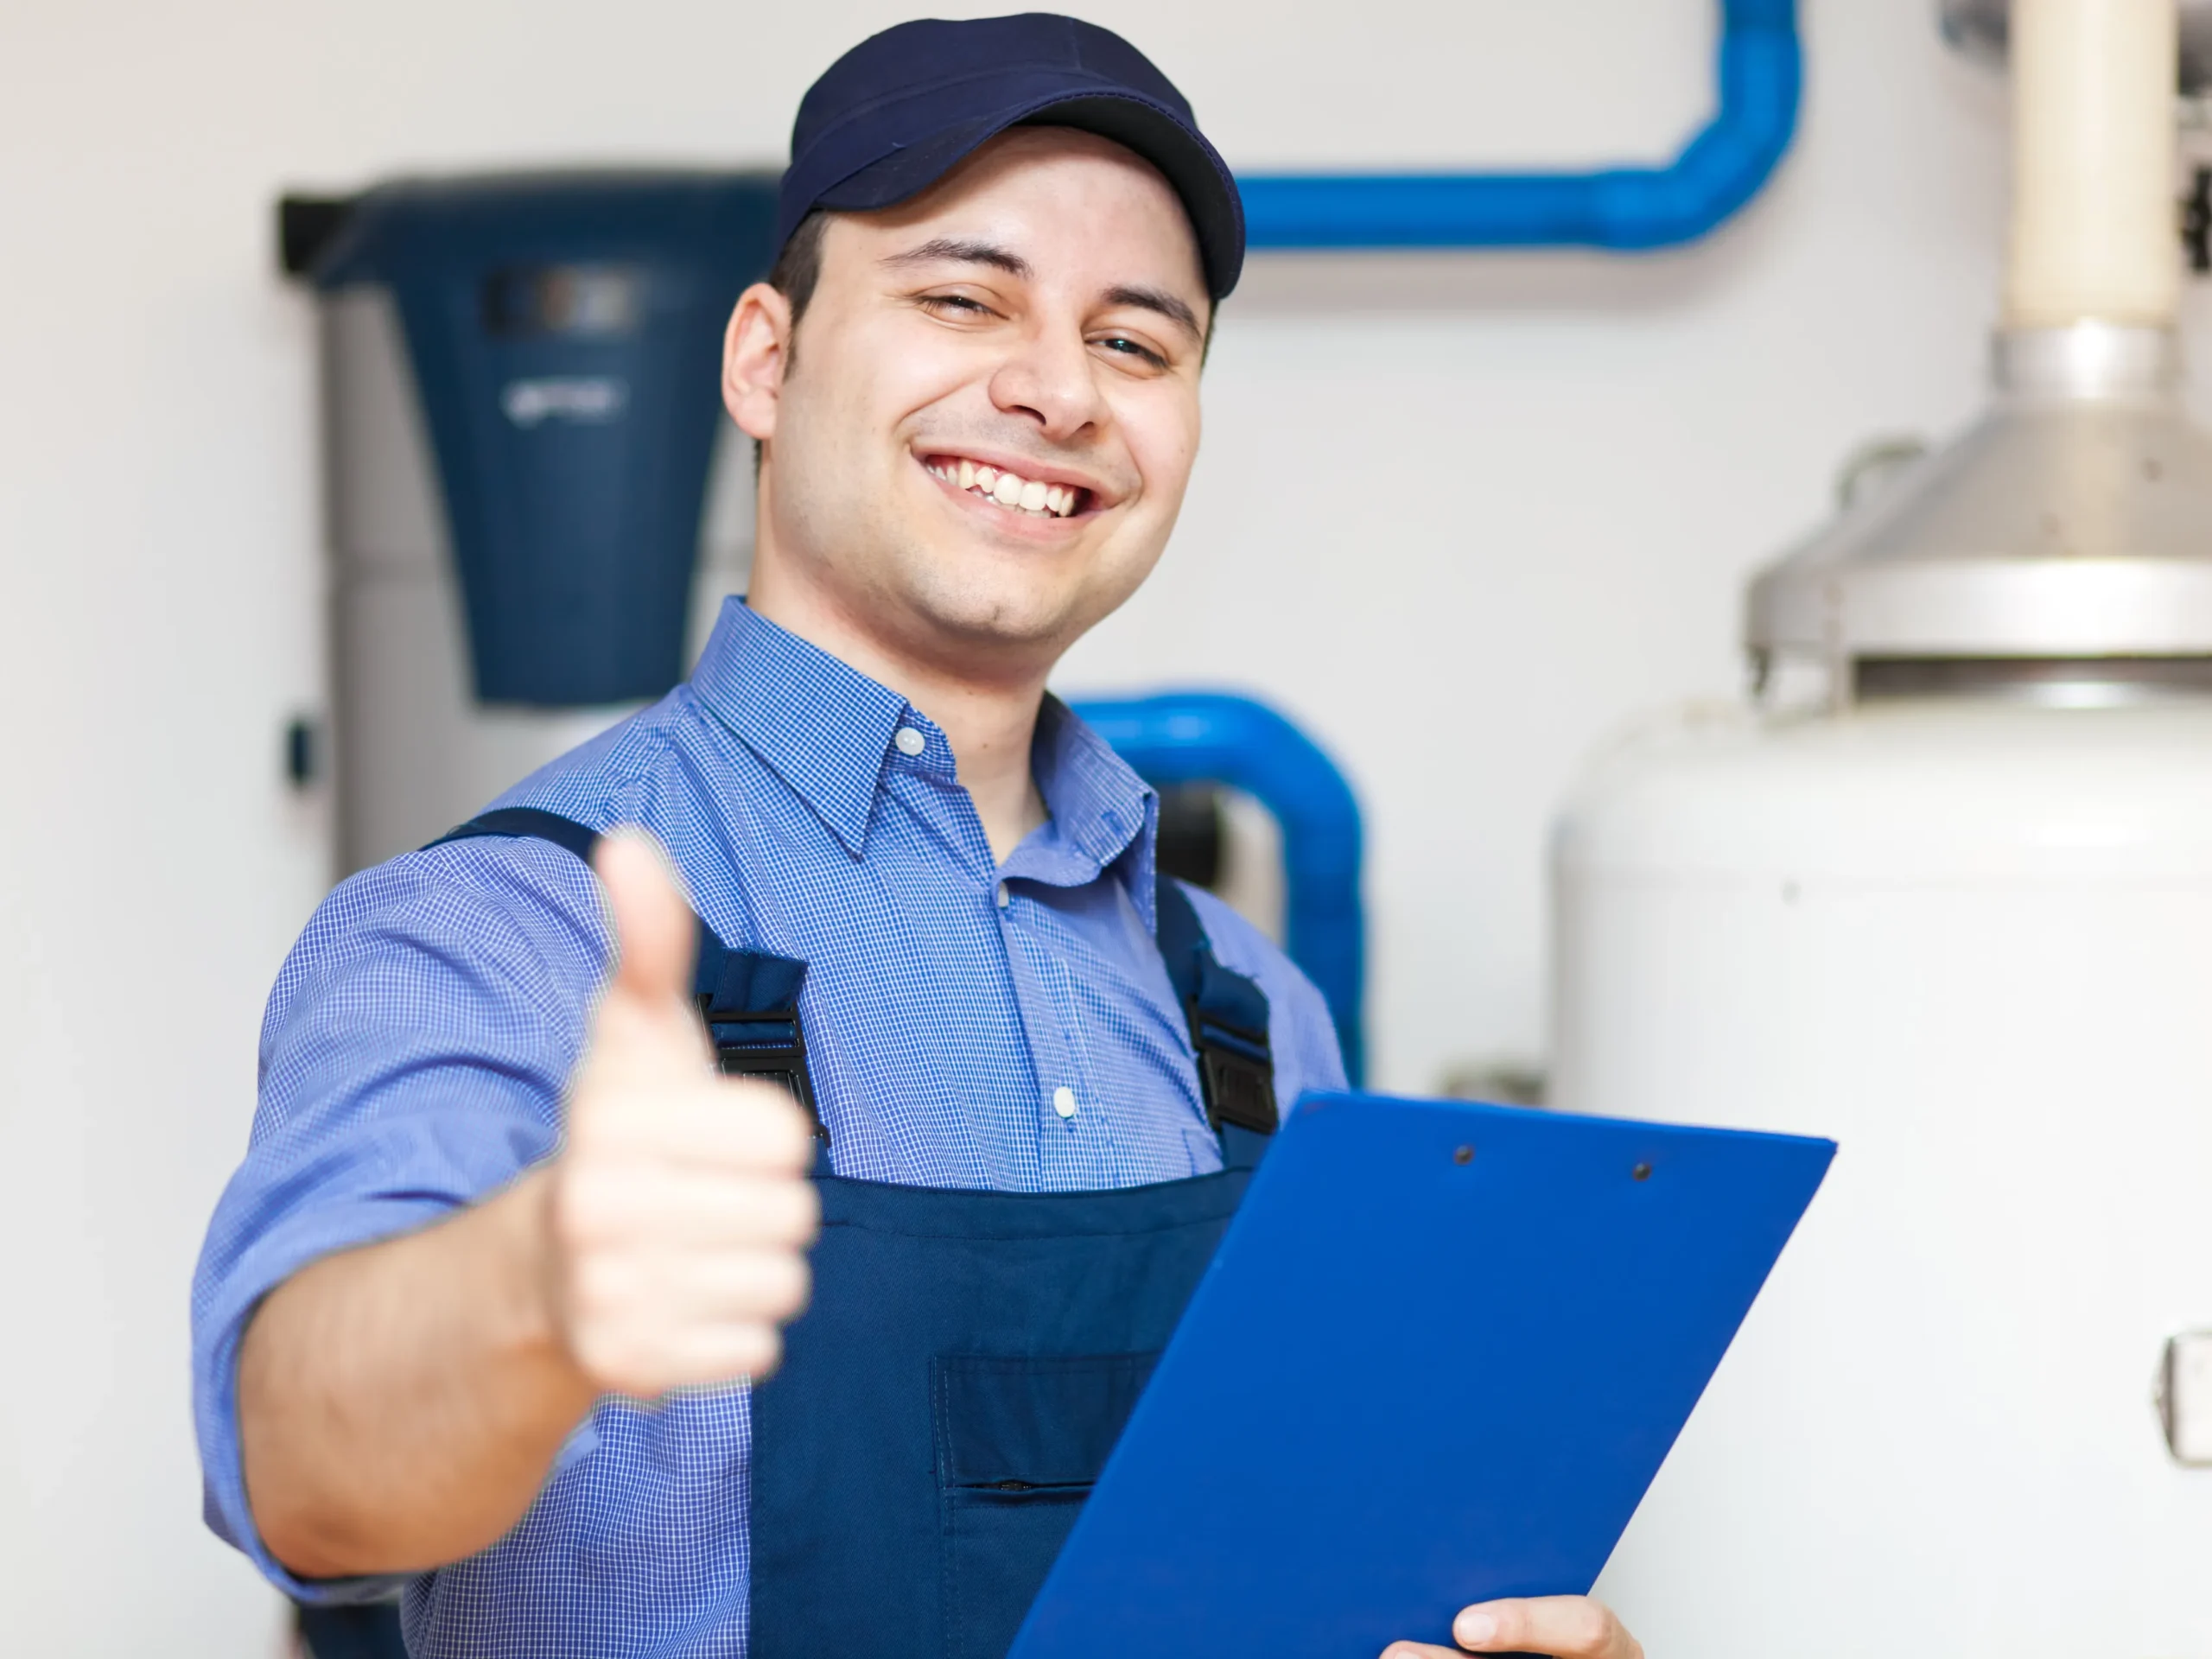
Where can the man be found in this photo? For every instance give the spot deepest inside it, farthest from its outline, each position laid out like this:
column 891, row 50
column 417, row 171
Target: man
column 478, row 1310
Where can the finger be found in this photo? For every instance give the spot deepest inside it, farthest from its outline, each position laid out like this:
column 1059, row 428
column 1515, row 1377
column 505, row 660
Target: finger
column 1421, row 1651
column 732, row 1353
column 671, row 1296
column 734, row 1125
column 656, row 939
column 701, row 1358
column 1564, row 1627
column 742, row 1287
column 608, row 1203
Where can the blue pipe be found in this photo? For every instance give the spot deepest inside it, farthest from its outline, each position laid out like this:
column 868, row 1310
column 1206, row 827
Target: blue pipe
column 1622, row 208
column 1186, row 737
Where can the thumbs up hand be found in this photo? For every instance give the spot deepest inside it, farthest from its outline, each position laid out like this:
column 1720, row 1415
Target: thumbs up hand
column 680, row 1209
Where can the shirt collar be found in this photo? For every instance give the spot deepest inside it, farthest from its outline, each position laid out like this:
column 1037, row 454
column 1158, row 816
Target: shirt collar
column 822, row 725
column 826, row 729
column 1101, row 811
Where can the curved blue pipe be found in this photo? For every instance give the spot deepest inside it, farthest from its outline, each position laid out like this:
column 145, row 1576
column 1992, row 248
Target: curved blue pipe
column 1186, row 737
column 1622, row 208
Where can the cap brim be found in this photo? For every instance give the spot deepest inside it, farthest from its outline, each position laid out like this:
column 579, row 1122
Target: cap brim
column 1190, row 166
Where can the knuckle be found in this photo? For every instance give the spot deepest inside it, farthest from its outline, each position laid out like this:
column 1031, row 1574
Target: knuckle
column 583, row 1125
column 765, row 1112
column 756, row 1350
column 602, row 1126
column 1589, row 1627
column 599, row 1290
column 1573, row 1627
column 790, row 1130
column 774, row 1287
column 618, row 1361
column 788, row 1211
column 580, row 1208
column 795, row 1289
column 810, row 1214
column 1615, row 1637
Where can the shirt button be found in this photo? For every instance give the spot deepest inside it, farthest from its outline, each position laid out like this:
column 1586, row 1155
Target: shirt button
column 1063, row 1102
column 1005, row 898
column 909, row 740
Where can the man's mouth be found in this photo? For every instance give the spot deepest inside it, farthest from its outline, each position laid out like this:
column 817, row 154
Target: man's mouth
column 1010, row 490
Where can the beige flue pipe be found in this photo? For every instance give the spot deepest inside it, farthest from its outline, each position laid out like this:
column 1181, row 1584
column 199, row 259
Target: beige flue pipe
column 2093, row 151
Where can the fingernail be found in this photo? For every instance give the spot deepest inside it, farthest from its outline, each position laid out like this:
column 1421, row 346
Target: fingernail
column 1471, row 1628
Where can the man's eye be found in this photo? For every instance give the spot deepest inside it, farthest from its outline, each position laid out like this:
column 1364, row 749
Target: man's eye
column 959, row 303
column 1122, row 346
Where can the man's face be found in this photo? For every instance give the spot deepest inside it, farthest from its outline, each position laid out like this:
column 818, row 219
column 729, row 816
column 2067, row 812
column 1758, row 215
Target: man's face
column 991, row 405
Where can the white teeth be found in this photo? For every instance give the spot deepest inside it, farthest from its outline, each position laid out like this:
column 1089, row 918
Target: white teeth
column 1010, row 490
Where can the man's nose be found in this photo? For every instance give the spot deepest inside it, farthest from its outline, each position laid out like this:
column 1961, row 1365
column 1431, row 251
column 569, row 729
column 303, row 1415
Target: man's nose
column 1051, row 379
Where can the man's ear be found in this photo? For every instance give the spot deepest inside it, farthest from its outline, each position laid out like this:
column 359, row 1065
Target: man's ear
column 756, row 349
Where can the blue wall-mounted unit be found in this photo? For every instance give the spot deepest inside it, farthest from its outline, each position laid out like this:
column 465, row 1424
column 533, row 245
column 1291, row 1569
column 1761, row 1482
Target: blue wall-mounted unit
column 564, row 332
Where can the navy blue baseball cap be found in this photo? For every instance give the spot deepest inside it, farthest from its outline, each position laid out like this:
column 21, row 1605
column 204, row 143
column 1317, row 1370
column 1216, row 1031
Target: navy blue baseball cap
column 895, row 114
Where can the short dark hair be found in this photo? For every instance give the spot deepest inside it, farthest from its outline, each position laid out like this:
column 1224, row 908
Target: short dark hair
column 798, row 268
column 795, row 273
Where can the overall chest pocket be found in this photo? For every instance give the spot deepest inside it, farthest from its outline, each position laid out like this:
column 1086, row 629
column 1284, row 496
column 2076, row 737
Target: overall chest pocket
column 1020, row 1440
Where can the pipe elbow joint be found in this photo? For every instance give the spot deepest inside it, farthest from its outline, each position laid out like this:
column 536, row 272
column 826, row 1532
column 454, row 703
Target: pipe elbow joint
column 1631, row 209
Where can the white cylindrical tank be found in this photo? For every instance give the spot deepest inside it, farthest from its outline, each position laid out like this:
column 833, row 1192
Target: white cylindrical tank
column 1972, row 941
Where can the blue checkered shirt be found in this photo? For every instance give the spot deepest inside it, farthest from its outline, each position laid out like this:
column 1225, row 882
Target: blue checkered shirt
column 420, row 1035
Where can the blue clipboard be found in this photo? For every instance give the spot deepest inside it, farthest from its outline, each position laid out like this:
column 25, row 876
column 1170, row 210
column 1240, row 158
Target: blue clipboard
column 1439, row 1355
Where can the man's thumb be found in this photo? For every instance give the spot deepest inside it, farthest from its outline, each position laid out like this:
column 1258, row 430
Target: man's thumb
column 656, row 940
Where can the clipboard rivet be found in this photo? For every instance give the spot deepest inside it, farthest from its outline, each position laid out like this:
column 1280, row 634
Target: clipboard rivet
column 1463, row 1155
column 1642, row 1172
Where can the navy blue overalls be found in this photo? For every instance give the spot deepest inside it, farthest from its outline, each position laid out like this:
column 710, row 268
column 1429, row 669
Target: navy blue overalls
column 969, row 1357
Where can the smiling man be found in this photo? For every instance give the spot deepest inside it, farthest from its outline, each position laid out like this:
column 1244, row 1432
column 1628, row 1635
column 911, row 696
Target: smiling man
column 518, row 1229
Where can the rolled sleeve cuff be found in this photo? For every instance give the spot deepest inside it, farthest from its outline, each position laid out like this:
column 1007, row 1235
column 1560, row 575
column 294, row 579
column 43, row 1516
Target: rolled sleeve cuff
column 275, row 1256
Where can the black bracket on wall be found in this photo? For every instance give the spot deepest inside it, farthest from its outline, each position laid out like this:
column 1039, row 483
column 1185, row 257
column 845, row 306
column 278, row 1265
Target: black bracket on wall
column 2196, row 220
column 305, row 225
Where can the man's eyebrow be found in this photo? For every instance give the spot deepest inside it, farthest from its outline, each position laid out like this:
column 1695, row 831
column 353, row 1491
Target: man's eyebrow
column 950, row 249
column 1169, row 306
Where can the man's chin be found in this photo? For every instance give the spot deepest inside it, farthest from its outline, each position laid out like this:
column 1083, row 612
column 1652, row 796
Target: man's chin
column 1003, row 624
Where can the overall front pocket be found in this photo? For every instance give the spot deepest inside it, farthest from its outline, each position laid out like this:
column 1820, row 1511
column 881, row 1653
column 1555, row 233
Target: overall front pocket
column 1020, row 1440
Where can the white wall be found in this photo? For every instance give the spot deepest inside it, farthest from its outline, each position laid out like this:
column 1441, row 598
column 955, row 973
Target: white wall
column 1460, row 514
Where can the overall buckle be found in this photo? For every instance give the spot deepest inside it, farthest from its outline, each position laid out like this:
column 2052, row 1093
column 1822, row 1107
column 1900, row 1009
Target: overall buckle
column 1239, row 1087
column 780, row 1062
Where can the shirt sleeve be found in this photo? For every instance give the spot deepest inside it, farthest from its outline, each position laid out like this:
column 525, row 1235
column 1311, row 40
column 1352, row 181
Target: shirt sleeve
column 413, row 1057
column 1300, row 1032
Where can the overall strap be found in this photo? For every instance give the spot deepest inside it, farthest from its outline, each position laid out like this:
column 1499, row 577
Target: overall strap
column 1228, row 1015
column 748, row 999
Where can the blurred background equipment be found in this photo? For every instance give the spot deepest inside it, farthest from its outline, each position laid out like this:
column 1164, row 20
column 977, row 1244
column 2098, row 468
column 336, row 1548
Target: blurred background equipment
column 522, row 414
column 1628, row 209
column 1945, row 894
column 1181, row 740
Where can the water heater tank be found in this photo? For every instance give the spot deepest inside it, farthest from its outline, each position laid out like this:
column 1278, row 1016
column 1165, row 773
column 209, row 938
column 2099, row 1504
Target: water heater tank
column 1954, row 909
column 1971, row 940
column 534, row 499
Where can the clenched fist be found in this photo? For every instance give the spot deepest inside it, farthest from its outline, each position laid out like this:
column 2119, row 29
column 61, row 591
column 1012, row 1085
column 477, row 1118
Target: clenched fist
column 679, row 1211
